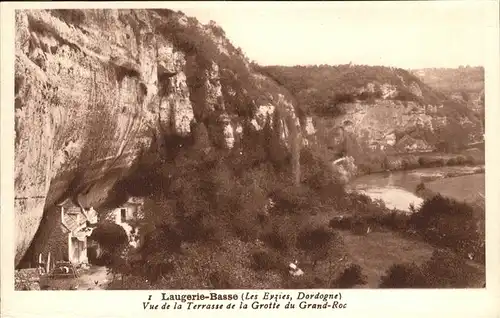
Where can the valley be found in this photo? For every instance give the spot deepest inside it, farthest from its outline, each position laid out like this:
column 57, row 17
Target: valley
column 234, row 165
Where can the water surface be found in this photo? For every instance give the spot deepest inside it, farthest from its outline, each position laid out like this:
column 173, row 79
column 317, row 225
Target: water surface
column 397, row 189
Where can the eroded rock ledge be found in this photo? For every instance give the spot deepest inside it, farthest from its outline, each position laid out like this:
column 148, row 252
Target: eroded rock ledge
column 92, row 89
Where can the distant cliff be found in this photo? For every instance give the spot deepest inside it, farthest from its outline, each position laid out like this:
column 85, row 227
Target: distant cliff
column 376, row 108
column 464, row 84
column 94, row 88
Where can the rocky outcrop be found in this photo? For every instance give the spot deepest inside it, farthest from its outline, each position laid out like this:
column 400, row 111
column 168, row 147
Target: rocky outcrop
column 376, row 125
column 93, row 88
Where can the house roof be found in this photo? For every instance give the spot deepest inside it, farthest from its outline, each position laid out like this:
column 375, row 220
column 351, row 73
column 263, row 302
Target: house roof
column 410, row 141
column 406, row 141
column 66, row 203
column 72, row 222
column 74, row 218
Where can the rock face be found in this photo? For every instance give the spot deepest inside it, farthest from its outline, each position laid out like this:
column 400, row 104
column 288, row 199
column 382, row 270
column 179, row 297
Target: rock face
column 375, row 125
column 93, row 88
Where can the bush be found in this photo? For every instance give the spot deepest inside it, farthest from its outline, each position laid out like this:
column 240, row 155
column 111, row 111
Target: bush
column 266, row 260
column 110, row 236
column 406, row 275
column 312, row 238
column 350, row 277
column 220, row 279
column 279, row 238
column 396, row 221
column 341, row 223
column 452, row 162
column 469, row 159
column 446, row 270
column 420, row 187
column 360, row 227
column 292, row 199
column 319, row 243
column 448, row 223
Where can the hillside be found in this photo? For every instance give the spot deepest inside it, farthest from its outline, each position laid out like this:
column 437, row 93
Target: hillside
column 374, row 107
column 463, row 84
column 233, row 165
column 469, row 80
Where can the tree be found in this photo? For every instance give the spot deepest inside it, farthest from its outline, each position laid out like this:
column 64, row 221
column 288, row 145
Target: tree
column 406, row 275
column 351, row 277
column 294, row 141
column 445, row 269
column 318, row 242
column 276, row 150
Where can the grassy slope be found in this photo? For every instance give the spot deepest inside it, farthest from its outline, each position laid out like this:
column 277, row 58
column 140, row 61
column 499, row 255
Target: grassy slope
column 453, row 80
column 378, row 251
column 469, row 188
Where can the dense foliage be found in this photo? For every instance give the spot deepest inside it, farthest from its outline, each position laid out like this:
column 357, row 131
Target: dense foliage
column 202, row 196
column 443, row 270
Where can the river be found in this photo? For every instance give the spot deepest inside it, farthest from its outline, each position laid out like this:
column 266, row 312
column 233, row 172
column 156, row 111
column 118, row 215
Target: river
column 397, row 188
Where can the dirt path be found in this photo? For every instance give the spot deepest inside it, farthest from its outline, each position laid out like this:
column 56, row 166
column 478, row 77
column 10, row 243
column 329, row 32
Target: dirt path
column 95, row 278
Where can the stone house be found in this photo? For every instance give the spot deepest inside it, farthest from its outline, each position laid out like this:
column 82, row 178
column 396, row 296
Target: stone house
column 409, row 144
column 131, row 210
column 68, row 239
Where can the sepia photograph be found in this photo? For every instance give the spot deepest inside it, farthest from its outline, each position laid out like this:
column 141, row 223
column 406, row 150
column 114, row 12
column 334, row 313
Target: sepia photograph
column 255, row 148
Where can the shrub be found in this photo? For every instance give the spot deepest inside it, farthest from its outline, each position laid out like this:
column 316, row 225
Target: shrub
column 446, row 270
column 220, row 279
column 461, row 160
column 350, row 277
column 452, row 162
column 341, row 223
column 360, row 227
column 245, row 226
column 110, row 236
column 266, row 260
column 420, row 187
column 292, row 199
column 448, row 223
column 311, row 238
column 469, row 159
column 278, row 238
column 319, row 243
column 397, row 221
column 406, row 275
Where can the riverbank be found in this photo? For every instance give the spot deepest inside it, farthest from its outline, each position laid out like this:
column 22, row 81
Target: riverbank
column 469, row 188
column 405, row 162
column 398, row 189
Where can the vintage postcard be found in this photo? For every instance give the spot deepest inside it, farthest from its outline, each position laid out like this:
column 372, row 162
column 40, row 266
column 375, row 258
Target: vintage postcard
column 223, row 158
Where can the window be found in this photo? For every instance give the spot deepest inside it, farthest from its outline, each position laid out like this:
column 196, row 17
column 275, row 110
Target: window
column 123, row 214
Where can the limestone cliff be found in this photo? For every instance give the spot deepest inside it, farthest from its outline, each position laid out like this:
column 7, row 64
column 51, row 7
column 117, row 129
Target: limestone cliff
column 378, row 108
column 93, row 88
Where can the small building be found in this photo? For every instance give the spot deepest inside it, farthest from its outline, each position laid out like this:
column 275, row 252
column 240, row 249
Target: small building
column 67, row 240
column 77, row 222
column 126, row 212
column 410, row 144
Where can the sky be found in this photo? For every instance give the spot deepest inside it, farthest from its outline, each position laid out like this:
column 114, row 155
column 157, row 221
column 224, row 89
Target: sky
column 402, row 34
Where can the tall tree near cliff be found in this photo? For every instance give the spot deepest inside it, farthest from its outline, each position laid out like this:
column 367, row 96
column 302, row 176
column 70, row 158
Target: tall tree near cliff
column 294, row 141
column 276, row 150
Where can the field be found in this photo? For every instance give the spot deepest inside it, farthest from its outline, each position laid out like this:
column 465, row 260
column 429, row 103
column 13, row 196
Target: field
column 469, row 188
column 377, row 251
